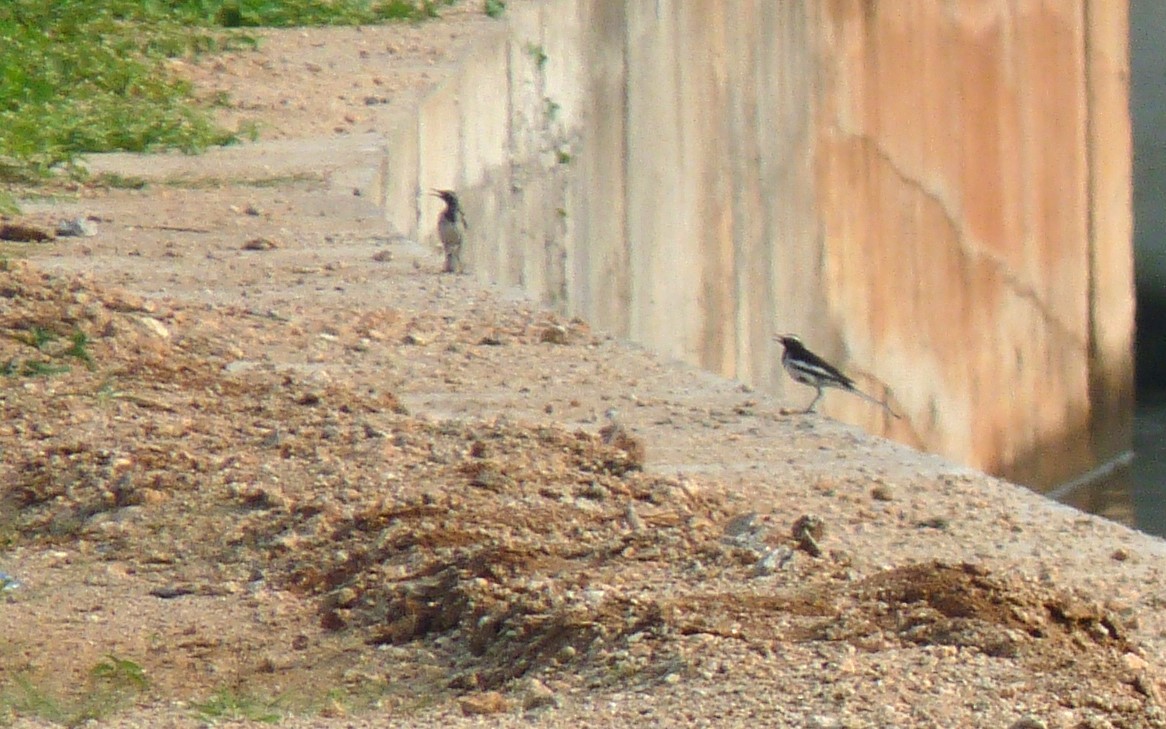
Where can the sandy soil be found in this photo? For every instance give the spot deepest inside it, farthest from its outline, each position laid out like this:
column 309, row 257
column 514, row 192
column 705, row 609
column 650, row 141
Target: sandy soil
column 292, row 470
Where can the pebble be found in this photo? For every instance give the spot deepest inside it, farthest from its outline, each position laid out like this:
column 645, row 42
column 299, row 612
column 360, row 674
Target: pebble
column 488, row 702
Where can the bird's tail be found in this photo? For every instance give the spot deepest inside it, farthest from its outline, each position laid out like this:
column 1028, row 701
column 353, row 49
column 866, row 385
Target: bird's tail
column 881, row 403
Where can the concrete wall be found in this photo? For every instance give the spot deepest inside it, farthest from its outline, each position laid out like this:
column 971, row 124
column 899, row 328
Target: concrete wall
column 934, row 195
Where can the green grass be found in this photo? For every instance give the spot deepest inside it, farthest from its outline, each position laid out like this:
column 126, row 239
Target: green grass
column 112, row 684
column 37, row 337
column 538, row 54
column 287, row 13
column 79, row 349
column 495, row 8
column 117, row 181
column 80, row 76
column 226, row 705
column 49, row 351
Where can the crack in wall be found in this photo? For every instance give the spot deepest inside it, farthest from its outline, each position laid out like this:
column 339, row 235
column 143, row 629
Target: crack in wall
column 1011, row 280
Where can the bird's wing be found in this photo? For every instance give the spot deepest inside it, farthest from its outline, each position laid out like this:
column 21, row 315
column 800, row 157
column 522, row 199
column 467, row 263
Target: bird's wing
column 825, row 368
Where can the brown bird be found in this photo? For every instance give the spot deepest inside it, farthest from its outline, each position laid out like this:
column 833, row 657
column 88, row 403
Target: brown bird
column 450, row 225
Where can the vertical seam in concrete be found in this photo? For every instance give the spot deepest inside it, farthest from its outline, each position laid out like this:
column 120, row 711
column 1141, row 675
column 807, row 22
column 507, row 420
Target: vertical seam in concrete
column 507, row 167
column 416, row 231
column 629, row 323
column 1090, row 200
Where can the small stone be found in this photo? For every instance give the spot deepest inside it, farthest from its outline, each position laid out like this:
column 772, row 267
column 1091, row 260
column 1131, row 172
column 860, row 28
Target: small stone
column 1028, row 722
column 935, row 522
column 333, row 710
column 808, row 531
column 538, row 695
column 76, row 228
column 260, row 244
column 1120, row 555
column 126, row 302
column 489, row 702
column 154, row 327
column 554, row 334
column 153, row 497
column 774, row 560
column 748, row 530
column 312, row 397
column 1134, row 662
column 345, row 597
column 633, row 519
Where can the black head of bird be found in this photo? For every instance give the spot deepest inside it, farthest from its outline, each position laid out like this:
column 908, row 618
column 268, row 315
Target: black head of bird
column 789, row 340
column 449, row 196
column 453, row 211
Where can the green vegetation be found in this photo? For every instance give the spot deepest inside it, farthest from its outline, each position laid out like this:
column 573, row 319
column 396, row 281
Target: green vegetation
column 80, row 76
column 117, row 181
column 538, row 54
column 111, row 684
column 495, row 8
column 552, row 108
column 78, row 348
column 226, row 705
column 90, row 76
column 288, row 13
column 45, row 342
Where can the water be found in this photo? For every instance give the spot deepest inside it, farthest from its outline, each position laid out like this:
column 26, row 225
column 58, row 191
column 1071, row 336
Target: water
column 1148, row 474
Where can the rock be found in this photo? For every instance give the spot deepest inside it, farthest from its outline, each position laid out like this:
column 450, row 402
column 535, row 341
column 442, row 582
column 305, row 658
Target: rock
column 8, row 582
column 538, row 695
column 633, row 519
column 747, row 530
column 76, row 228
column 489, row 702
column 554, row 334
column 807, row 531
column 154, row 327
column 1028, row 722
column 774, row 560
column 261, row 244
column 126, row 302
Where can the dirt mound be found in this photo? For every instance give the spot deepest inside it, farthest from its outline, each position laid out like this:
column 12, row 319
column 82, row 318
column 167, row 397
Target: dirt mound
column 156, row 435
column 145, row 441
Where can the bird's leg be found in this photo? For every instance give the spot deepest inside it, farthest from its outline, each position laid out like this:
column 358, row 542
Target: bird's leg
column 813, row 402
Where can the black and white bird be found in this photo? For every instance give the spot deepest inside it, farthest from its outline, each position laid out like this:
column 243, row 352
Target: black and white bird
column 810, row 369
column 450, row 226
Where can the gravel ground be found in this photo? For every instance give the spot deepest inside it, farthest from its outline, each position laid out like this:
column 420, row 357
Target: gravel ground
column 292, row 470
